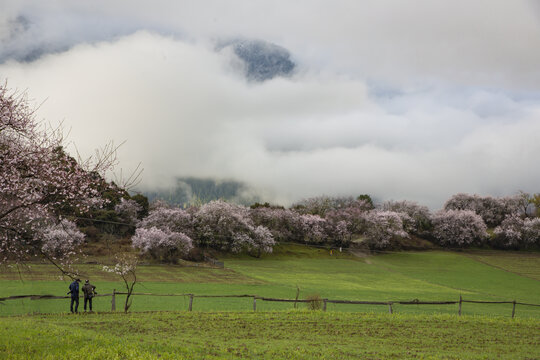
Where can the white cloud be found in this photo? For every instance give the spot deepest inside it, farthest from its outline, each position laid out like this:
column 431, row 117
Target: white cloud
column 489, row 42
column 396, row 101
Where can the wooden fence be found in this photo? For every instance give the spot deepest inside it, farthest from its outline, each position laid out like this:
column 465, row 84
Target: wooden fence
column 323, row 302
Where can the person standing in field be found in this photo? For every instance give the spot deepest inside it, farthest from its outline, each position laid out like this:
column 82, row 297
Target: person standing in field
column 74, row 291
column 89, row 291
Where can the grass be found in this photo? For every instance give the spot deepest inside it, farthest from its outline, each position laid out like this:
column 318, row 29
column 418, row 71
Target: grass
column 517, row 262
column 433, row 275
column 228, row 328
column 269, row 335
column 154, row 273
column 430, row 275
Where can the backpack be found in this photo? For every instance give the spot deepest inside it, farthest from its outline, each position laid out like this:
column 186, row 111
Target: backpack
column 88, row 290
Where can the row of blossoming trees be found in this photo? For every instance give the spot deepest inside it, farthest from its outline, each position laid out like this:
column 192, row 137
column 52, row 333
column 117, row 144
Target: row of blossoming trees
column 41, row 188
column 170, row 232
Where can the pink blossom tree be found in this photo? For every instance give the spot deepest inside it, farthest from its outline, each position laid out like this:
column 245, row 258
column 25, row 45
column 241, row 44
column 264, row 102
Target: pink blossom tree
column 382, row 227
column 416, row 218
column 162, row 244
column 228, row 227
column 339, row 233
column 61, row 240
column 492, row 210
column 128, row 210
column 510, row 233
column 346, row 221
column 322, row 204
column 288, row 225
column 281, row 222
column 458, row 228
column 38, row 180
column 312, row 228
column 462, row 201
column 169, row 218
column 517, row 232
column 332, row 220
column 165, row 234
column 531, row 231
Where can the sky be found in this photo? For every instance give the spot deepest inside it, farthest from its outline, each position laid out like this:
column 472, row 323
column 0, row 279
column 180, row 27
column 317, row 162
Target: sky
column 415, row 100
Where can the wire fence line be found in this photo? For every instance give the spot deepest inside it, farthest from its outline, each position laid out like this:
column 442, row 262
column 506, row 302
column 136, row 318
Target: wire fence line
column 322, row 302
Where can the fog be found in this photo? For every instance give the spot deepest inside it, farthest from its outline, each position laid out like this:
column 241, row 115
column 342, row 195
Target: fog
column 389, row 99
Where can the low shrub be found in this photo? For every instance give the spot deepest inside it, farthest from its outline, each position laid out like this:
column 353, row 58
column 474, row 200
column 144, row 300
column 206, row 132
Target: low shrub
column 315, row 302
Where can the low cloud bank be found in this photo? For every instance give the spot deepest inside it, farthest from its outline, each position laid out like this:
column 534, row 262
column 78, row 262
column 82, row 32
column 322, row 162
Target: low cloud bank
column 418, row 124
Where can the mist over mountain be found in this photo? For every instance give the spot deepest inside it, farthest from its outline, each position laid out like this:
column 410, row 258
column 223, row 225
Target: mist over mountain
column 262, row 60
column 17, row 29
column 195, row 191
column 334, row 98
column 28, row 35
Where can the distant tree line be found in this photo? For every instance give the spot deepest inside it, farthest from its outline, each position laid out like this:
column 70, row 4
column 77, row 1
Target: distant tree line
column 169, row 233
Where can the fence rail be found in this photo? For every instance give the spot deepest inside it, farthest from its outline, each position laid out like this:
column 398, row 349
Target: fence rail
column 45, row 297
column 262, row 298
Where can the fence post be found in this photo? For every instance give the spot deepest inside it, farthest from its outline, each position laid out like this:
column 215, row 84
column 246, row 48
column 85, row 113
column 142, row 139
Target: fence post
column 460, row 301
column 113, row 300
column 390, row 308
column 190, row 302
column 254, row 303
column 514, row 309
column 324, row 304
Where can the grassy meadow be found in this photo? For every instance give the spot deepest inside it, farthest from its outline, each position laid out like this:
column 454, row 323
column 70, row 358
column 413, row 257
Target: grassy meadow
column 433, row 275
column 299, row 334
column 218, row 328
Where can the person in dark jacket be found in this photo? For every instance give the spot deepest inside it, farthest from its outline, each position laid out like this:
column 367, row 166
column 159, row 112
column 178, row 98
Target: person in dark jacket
column 74, row 291
column 89, row 291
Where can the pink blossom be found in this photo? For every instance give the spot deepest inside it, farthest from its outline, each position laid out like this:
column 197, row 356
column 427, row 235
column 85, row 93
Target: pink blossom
column 516, row 231
column 459, row 228
column 416, row 218
column 229, row 227
column 382, row 227
column 38, row 181
column 61, row 240
column 492, row 210
column 174, row 219
column 128, row 210
column 162, row 244
column 322, row 204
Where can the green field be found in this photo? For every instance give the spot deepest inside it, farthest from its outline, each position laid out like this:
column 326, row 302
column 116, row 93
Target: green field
column 434, row 275
column 268, row 335
column 160, row 327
